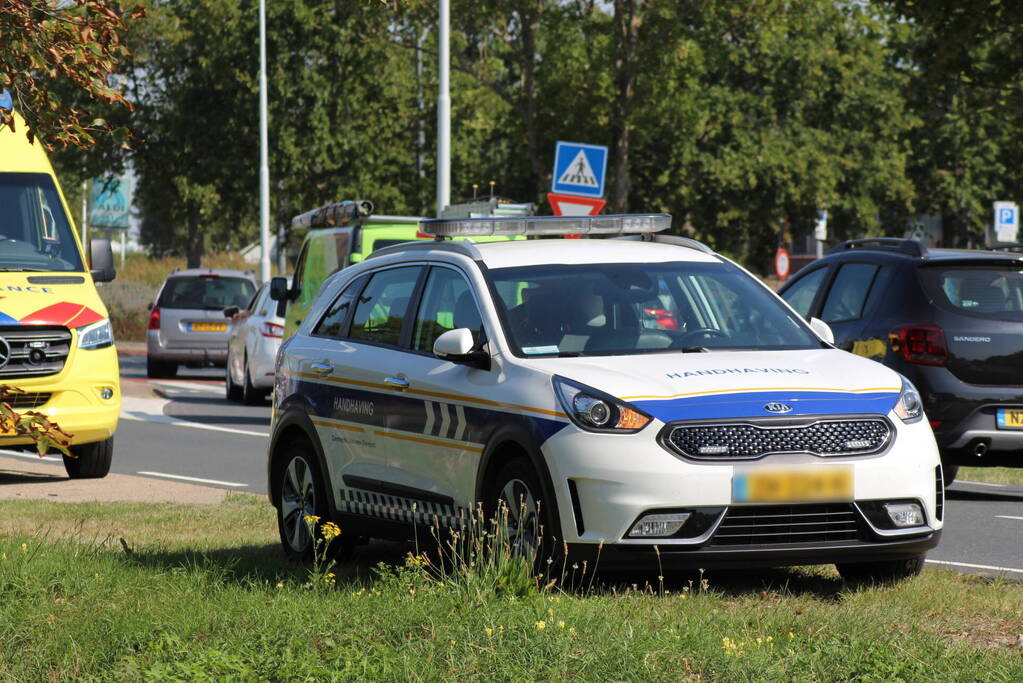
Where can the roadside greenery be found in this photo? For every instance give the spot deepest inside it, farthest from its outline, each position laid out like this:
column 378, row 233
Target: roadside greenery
column 203, row 593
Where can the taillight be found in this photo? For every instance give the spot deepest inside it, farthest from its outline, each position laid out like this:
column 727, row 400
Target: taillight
column 272, row 330
column 923, row 345
column 154, row 319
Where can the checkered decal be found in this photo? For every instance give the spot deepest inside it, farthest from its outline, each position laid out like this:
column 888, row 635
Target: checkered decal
column 400, row 509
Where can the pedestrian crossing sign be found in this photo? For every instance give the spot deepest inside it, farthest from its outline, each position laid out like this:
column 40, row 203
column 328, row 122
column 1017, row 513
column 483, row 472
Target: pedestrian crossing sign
column 579, row 169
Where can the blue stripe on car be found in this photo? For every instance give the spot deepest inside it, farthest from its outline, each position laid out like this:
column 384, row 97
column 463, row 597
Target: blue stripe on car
column 751, row 404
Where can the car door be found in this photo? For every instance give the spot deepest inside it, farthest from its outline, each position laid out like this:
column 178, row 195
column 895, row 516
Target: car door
column 847, row 305
column 361, row 394
column 436, row 449
column 240, row 335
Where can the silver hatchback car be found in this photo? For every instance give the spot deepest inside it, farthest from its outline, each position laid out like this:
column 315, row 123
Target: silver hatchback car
column 187, row 324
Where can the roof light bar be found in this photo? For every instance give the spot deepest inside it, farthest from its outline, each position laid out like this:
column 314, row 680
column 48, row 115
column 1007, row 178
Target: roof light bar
column 547, row 225
column 332, row 215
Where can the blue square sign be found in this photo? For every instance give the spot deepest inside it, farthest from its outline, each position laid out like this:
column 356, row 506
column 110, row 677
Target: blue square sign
column 579, row 169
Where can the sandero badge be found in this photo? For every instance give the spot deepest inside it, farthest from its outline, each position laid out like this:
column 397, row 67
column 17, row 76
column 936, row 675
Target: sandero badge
column 779, row 408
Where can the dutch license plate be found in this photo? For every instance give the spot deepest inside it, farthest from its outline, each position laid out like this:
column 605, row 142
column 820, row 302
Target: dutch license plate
column 1009, row 418
column 209, row 327
column 788, row 486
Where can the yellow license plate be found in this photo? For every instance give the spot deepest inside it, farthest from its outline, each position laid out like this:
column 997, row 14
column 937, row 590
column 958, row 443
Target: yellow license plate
column 1010, row 418
column 209, row 327
column 792, row 486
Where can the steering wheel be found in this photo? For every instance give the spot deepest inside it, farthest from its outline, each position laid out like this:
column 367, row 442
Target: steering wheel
column 706, row 331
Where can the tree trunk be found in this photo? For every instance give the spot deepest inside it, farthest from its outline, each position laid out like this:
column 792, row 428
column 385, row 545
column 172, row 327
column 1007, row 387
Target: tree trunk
column 196, row 240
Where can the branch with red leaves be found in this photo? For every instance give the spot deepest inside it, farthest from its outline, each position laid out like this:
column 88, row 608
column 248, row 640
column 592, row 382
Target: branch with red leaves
column 36, row 426
column 79, row 42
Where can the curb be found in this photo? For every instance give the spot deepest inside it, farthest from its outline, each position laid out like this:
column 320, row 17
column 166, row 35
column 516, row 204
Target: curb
column 131, row 348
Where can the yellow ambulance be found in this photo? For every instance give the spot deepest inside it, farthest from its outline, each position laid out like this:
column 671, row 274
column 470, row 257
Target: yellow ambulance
column 56, row 342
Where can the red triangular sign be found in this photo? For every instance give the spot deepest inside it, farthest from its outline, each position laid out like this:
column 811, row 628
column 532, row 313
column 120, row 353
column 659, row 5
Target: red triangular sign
column 569, row 205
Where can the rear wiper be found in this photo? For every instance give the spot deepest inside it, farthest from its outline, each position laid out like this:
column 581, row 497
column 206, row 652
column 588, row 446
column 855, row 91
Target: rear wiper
column 695, row 349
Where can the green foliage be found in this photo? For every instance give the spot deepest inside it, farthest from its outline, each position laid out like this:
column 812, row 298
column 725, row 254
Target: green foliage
column 45, row 434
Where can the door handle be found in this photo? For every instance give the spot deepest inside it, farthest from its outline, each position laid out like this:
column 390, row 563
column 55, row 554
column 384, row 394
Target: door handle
column 396, row 382
column 322, row 368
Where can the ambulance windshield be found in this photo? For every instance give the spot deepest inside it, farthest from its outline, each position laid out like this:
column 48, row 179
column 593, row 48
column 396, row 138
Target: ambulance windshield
column 35, row 234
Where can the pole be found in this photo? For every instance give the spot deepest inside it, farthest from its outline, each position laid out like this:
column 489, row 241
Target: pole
column 85, row 216
column 124, row 245
column 264, row 165
column 443, row 111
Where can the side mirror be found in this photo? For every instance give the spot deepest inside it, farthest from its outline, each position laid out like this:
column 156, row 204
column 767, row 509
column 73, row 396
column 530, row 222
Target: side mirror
column 279, row 288
column 101, row 260
column 458, row 346
column 149, row 306
column 231, row 311
column 822, row 329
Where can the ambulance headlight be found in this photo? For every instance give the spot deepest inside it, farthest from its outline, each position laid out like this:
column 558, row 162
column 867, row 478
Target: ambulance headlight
column 909, row 407
column 96, row 336
column 596, row 411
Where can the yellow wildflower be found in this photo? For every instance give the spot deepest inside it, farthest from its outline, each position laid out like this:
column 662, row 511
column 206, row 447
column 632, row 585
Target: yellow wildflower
column 490, row 632
column 541, row 625
column 791, row 635
column 330, row 531
column 311, row 519
column 24, row 547
column 561, row 624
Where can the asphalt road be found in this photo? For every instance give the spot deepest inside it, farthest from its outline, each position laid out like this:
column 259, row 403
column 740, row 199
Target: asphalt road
column 184, row 430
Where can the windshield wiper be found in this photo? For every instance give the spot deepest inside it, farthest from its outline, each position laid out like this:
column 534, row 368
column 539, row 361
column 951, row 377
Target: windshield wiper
column 25, row 270
column 695, row 349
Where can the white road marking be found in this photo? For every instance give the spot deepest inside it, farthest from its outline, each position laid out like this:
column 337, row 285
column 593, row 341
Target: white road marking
column 151, row 410
column 205, row 387
column 981, row 483
column 1008, row 517
column 429, row 418
column 976, row 566
column 31, row 456
column 195, row 479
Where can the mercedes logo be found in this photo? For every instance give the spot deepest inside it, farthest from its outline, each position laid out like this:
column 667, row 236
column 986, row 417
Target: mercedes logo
column 778, row 408
column 5, row 352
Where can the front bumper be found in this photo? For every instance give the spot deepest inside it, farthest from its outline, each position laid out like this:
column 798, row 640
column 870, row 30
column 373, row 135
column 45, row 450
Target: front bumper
column 75, row 403
column 605, row 483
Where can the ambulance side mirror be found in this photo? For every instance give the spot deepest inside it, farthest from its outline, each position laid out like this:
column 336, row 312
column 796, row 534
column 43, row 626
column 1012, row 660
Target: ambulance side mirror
column 458, row 346
column 101, row 260
column 822, row 329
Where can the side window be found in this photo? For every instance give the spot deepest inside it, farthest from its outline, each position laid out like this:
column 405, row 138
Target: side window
column 447, row 305
column 333, row 322
column 324, row 256
column 380, row 310
column 800, row 296
column 849, row 292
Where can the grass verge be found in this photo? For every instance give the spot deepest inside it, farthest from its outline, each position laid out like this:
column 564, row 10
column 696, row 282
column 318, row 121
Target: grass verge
column 992, row 475
column 203, row 593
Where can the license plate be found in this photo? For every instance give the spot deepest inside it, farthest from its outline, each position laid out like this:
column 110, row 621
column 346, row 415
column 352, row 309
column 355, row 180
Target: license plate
column 209, row 327
column 1010, row 418
column 787, row 486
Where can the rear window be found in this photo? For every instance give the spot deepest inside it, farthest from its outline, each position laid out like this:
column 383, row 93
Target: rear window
column 990, row 292
column 211, row 293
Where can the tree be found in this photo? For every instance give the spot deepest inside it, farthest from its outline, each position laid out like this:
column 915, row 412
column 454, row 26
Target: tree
column 50, row 46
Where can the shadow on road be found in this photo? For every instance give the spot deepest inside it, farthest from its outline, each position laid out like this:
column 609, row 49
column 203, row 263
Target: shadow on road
column 15, row 477
column 989, row 496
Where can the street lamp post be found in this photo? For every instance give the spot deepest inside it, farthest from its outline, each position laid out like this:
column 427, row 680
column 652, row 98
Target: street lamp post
column 443, row 111
column 264, row 166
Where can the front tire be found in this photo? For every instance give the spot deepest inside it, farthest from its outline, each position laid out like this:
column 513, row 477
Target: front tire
column 886, row 571
column 516, row 496
column 90, row 461
column 250, row 395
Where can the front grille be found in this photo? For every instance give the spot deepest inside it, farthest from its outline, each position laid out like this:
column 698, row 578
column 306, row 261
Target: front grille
column 939, row 493
column 27, row 401
column 748, row 440
column 776, row 524
column 35, row 350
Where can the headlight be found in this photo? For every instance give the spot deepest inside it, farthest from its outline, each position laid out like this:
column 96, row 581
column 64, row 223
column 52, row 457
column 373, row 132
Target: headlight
column 595, row 411
column 96, row 336
column 909, row 406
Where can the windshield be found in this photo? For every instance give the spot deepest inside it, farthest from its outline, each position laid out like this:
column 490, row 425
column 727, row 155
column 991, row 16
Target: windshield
column 35, row 234
column 990, row 292
column 632, row 308
column 209, row 292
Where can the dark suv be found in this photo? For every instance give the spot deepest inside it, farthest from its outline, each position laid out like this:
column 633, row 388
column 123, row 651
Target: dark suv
column 949, row 320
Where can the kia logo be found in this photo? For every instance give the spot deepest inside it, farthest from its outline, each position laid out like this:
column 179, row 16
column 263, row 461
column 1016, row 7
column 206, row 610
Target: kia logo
column 778, row 408
column 5, row 352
